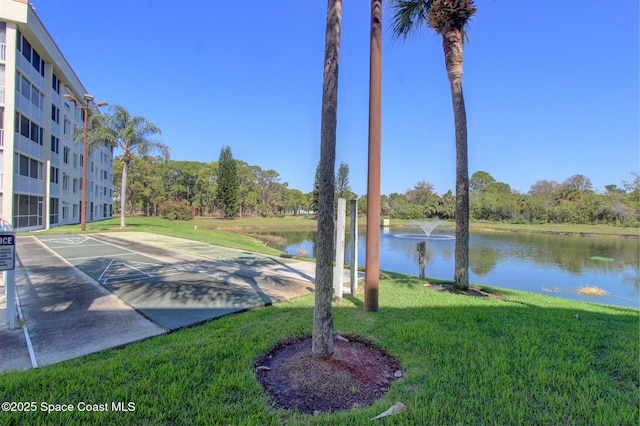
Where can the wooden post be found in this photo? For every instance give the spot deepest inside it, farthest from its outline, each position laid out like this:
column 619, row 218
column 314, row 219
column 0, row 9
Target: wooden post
column 338, row 275
column 354, row 247
column 372, row 273
column 422, row 261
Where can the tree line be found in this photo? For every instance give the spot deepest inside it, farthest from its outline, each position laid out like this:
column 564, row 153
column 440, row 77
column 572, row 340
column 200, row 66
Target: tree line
column 572, row 201
column 177, row 188
column 227, row 187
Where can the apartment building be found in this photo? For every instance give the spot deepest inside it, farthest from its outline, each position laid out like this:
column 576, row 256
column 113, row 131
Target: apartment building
column 40, row 163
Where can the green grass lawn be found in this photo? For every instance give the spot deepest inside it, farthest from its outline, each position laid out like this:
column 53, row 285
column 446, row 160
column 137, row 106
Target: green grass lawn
column 524, row 359
column 529, row 359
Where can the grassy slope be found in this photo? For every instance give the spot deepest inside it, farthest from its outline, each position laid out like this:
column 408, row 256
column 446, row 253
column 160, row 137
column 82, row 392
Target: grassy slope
column 183, row 229
column 159, row 225
column 524, row 360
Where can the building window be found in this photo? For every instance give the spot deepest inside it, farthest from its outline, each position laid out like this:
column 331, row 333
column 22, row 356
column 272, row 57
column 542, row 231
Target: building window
column 29, row 91
column 54, row 174
column 28, row 129
column 23, row 169
column 55, row 84
column 75, row 187
column 65, row 155
column 34, row 169
column 75, row 161
column 27, row 211
column 25, row 87
column 29, row 167
column 55, row 144
column 55, row 114
column 65, row 213
column 25, row 126
column 65, row 182
column 53, row 210
column 30, row 54
column 25, row 48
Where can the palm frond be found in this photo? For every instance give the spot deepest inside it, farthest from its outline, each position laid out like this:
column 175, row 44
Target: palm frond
column 131, row 134
column 408, row 15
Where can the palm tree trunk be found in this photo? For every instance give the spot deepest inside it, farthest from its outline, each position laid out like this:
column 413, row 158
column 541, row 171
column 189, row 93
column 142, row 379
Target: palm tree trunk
column 452, row 43
column 123, row 193
column 322, row 337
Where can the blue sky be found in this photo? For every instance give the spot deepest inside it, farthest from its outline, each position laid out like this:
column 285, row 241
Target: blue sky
column 551, row 87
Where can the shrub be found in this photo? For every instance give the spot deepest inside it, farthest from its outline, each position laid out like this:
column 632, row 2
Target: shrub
column 175, row 210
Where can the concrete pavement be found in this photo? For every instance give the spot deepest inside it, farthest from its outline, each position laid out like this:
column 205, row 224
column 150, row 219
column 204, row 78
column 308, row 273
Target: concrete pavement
column 68, row 310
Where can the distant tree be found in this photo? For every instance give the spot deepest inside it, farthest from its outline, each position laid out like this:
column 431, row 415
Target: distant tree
column 577, row 183
column 480, row 180
column 449, row 19
column 322, row 339
column 422, row 193
column 362, row 204
column 146, row 183
column 248, row 192
column 447, row 205
column 182, row 180
column 272, row 192
column 544, row 187
column 296, row 201
column 204, row 198
column 499, row 187
column 343, row 190
column 315, row 194
column 133, row 135
column 227, row 191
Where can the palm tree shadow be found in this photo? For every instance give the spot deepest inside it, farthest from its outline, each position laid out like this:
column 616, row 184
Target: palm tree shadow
column 354, row 300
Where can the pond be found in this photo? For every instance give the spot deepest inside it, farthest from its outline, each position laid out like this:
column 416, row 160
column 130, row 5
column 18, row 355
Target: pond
column 556, row 265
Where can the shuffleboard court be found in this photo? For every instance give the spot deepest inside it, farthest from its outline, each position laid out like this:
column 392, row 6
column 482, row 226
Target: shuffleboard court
column 173, row 288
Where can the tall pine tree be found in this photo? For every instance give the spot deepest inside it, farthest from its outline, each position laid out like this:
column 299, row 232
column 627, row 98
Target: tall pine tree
column 227, row 191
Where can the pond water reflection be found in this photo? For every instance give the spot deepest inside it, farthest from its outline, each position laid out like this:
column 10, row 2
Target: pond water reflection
column 556, row 265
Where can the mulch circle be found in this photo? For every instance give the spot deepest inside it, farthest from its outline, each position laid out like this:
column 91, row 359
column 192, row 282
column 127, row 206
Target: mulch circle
column 356, row 375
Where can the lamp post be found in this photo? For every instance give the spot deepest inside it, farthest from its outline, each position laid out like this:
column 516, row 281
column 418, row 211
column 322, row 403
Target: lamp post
column 85, row 159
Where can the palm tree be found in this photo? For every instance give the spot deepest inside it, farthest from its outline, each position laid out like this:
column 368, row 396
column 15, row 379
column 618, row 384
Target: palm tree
column 132, row 135
column 448, row 18
column 322, row 337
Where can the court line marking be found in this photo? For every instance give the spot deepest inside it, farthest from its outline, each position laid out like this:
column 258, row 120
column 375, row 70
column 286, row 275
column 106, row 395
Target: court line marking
column 197, row 270
column 75, row 247
column 144, row 274
column 102, row 256
column 166, row 269
column 67, row 241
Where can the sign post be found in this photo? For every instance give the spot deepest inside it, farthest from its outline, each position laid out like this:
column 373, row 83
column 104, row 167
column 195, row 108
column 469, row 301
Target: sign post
column 8, row 264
